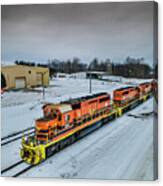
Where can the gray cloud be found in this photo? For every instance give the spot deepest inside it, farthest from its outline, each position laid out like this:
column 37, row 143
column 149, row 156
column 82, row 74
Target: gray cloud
column 41, row 32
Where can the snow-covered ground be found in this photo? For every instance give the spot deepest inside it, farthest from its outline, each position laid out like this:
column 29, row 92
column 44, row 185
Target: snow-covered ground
column 120, row 150
column 21, row 108
column 124, row 80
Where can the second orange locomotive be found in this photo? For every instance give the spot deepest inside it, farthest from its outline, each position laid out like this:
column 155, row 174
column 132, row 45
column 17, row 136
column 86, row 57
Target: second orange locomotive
column 124, row 96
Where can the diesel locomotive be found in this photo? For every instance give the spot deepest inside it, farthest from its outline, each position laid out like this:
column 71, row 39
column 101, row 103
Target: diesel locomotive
column 66, row 122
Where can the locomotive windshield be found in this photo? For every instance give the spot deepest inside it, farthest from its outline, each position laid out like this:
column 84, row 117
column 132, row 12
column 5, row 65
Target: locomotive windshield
column 50, row 115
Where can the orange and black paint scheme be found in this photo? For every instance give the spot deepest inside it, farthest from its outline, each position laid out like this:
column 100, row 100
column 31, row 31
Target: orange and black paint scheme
column 125, row 95
column 64, row 123
column 145, row 88
column 61, row 117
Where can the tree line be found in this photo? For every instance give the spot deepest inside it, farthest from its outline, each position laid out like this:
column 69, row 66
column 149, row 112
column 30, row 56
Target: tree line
column 131, row 67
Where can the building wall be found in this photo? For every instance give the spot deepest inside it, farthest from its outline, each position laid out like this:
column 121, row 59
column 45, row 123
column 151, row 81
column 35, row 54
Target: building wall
column 29, row 73
column 45, row 73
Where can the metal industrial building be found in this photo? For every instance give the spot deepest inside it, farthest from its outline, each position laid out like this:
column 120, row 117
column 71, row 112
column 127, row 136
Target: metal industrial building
column 21, row 76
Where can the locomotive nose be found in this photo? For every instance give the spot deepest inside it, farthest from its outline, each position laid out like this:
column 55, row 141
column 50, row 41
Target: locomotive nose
column 32, row 154
column 28, row 156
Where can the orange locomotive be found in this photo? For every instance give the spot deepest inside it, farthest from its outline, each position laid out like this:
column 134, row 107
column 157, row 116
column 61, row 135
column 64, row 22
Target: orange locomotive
column 145, row 88
column 155, row 89
column 64, row 116
column 66, row 122
column 125, row 95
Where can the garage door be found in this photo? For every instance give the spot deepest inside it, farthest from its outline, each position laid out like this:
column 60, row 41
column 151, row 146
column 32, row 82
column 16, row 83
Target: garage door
column 20, row 83
column 39, row 78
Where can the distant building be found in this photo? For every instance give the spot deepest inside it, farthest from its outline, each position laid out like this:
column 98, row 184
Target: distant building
column 61, row 75
column 95, row 74
column 78, row 75
column 21, row 76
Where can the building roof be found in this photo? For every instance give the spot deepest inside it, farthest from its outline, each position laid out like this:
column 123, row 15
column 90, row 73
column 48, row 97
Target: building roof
column 22, row 66
column 96, row 72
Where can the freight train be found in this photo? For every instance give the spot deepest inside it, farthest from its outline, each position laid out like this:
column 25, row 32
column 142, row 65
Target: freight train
column 64, row 123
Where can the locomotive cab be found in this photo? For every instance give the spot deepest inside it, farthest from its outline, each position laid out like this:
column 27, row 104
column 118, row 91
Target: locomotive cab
column 46, row 127
column 56, row 117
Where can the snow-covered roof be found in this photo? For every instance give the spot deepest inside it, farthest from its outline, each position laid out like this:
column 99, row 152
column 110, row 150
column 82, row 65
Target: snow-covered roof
column 96, row 72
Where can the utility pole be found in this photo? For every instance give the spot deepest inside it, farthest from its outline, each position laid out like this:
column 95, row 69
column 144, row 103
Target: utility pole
column 43, row 92
column 90, row 83
column 43, row 87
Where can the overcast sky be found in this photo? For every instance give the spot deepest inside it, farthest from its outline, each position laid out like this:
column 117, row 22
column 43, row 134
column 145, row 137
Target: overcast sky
column 106, row 30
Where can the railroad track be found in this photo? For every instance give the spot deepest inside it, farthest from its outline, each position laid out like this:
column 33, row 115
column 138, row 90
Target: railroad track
column 17, row 135
column 16, row 169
